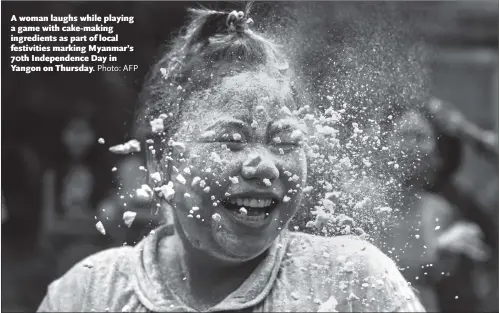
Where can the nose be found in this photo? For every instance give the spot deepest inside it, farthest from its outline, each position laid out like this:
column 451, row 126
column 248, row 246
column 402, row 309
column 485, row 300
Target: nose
column 257, row 166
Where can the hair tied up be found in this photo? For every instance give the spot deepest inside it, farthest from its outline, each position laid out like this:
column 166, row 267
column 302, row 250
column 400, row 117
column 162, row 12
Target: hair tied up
column 236, row 22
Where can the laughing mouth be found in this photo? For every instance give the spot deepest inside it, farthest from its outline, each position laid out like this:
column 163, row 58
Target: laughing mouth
column 250, row 210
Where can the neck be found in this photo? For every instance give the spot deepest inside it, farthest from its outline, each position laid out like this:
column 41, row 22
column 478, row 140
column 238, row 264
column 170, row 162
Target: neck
column 211, row 279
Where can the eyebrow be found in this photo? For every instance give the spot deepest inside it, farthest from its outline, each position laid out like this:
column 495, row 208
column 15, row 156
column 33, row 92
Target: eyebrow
column 234, row 122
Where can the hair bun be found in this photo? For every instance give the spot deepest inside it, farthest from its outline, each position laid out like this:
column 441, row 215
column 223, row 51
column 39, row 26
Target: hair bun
column 237, row 22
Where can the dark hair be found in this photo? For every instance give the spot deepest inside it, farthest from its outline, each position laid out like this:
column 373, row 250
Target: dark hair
column 213, row 45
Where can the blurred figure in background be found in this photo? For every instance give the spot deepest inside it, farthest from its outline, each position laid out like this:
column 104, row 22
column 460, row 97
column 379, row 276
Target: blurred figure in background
column 25, row 268
column 443, row 238
column 77, row 181
column 130, row 175
column 73, row 186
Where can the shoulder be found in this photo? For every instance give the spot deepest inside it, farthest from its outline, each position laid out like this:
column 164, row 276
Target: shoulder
column 356, row 271
column 336, row 245
column 341, row 250
column 94, row 280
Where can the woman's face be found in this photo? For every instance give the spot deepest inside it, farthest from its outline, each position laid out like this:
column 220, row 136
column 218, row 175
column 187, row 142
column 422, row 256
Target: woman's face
column 240, row 168
column 78, row 137
column 412, row 145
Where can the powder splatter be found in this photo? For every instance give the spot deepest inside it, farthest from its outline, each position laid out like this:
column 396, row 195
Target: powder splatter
column 129, row 217
column 126, row 148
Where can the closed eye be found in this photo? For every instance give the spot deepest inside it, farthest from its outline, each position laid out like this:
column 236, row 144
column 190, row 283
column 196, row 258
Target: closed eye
column 234, row 141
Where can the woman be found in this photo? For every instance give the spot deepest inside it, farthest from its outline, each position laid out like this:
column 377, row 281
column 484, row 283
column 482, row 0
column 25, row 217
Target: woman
column 442, row 236
column 223, row 96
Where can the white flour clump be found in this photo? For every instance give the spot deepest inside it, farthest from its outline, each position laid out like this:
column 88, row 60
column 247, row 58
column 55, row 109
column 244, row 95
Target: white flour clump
column 195, row 181
column 181, row 179
column 100, row 227
column 361, row 204
column 384, row 209
column 144, row 193
column 308, row 189
column 216, row 217
column 267, row 182
column 157, row 125
column 329, row 205
column 164, row 73
column 101, row 141
column 285, row 110
column 321, row 219
column 215, row 158
column 166, row 191
column 329, row 305
column 156, row 177
column 236, row 137
column 179, row 146
column 129, row 217
column 126, row 148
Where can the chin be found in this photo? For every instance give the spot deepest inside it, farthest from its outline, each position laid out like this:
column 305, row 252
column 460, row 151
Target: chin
column 240, row 248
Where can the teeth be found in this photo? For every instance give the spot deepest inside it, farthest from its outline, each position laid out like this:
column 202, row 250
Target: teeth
column 251, row 203
column 242, row 216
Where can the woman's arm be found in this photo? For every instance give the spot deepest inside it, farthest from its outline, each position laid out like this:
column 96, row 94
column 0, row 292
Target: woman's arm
column 437, row 215
column 446, row 237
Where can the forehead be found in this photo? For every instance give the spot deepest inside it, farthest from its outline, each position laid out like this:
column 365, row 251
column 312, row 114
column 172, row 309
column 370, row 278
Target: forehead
column 240, row 95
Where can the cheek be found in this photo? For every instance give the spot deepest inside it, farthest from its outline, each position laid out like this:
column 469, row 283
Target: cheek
column 296, row 162
column 294, row 174
column 197, row 176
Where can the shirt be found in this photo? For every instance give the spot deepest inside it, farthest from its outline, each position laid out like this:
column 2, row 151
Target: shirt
column 300, row 272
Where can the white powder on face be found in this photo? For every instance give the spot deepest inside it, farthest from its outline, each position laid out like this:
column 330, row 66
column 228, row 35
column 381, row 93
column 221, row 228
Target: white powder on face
column 285, row 110
column 208, row 135
column 267, row 182
column 237, row 137
column 178, row 146
column 215, row 158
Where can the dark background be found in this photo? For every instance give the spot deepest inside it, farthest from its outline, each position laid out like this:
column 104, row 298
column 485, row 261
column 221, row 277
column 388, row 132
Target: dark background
column 37, row 107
